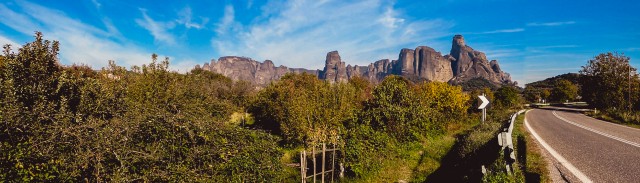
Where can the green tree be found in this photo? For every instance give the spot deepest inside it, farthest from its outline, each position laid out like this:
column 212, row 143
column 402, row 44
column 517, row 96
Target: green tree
column 545, row 94
column 564, row 90
column 606, row 81
column 507, row 97
column 532, row 94
column 306, row 110
column 73, row 124
column 447, row 99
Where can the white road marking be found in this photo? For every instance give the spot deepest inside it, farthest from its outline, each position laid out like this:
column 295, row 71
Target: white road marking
column 612, row 123
column 557, row 156
column 596, row 131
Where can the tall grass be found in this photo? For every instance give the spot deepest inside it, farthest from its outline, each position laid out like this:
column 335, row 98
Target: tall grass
column 629, row 118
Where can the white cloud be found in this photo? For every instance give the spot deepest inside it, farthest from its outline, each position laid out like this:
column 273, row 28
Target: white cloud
column 79, row 42
column 390, row 20
column 300, row 33
column 227, row 22
column 159, row 30
column 249, row 4
column 185, row 18
column 549, row 24
column 6, row 41
column 503, row 31
column 183, row 66
column 96, row 4
column 546, row 49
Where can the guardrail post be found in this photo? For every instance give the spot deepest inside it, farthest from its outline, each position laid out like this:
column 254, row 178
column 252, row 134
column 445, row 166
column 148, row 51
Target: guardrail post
column 506, row 142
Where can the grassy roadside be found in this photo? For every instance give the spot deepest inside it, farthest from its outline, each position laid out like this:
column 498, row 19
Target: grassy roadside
column 631, row 119
column 412, row 162
column 473, row 149
column 496, row 171
column 416, row 161
column 527, row 150
column 457, row 155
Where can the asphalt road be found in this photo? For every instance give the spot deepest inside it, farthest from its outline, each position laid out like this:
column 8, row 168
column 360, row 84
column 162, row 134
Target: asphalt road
column 599, row 150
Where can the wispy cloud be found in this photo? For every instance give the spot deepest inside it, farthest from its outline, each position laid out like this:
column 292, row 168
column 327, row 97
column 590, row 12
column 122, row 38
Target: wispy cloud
column 159, row 30
column 549, row 48
column 5, row 41
column 550, row 24
column 96, row 4
column 503, row 31
column 164, row 31
column 565, row 69
column 390, row 19
column 362, row 31
column 557, row 46
column 227, row 23
column 186, row 16
column 79, row 42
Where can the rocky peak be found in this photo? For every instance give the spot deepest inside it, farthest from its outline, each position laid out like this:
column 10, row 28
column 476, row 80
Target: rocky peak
column 469, row 64
column 333, row 57
column 458, row 41
column 422, row 63
column 494, row 65
column 334, row 69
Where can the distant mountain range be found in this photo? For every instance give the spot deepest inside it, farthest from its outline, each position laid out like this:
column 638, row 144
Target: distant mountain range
column 423, row 63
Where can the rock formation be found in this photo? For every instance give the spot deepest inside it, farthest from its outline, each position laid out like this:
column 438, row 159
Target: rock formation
column 243, row 68
column 469, row 64
column 462, row 64
column 334, row 69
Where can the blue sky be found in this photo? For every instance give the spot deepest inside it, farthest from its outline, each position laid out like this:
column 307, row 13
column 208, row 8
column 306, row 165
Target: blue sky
column 532, row 40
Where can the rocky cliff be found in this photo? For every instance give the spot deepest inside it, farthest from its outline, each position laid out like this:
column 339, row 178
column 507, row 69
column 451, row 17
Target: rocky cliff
column 468, row 64
column 462, row 64
column 243, row 68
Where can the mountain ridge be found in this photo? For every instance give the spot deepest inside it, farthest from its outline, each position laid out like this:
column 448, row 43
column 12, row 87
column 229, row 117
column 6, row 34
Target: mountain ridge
column 463, row 63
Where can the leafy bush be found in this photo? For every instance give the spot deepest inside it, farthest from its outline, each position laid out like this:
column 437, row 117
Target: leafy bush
column 507, row 97
column 305, row 110
column 606, row 82
column 564, row 90
column 73, row 124
column 366, row 148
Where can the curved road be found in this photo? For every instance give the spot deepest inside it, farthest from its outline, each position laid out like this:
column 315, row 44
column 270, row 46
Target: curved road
column 591, row 149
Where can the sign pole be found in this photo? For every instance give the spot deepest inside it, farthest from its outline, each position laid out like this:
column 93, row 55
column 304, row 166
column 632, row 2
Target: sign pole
column 483, row 106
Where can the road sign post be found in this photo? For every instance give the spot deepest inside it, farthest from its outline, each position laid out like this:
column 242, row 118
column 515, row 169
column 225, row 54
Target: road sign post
column 483, row 106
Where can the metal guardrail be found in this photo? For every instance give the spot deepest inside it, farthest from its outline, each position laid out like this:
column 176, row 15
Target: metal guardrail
column 506, row 142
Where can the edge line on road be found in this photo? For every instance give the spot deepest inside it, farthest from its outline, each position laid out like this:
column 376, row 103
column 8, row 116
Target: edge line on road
column 556, row 155
column 609, row 122
column 596, row 131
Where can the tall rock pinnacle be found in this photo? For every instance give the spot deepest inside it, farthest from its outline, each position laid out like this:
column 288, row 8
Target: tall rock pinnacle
column 334, row 69
column 422, row 63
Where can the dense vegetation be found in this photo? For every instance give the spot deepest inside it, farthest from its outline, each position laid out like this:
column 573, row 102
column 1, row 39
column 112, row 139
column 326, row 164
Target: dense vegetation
column 477, row 83
column 367, row 121
column 611, row 84
column 607, row 82
column 75, row 124
column 555, row 89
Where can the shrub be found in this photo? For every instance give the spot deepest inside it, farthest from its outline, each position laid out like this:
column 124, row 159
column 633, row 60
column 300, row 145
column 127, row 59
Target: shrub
column 73, row 124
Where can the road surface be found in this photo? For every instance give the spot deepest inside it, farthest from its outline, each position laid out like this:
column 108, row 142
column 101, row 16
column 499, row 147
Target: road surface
column 590, row 149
